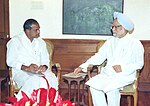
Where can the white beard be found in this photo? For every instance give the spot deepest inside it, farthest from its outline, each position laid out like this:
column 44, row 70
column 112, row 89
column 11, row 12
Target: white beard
column 114, row 34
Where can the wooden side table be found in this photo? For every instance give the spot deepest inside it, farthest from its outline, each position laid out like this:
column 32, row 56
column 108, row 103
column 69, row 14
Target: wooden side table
column 76, row 81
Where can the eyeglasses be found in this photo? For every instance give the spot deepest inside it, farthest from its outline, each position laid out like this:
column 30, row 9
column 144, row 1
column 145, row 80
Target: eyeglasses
column 115, row 26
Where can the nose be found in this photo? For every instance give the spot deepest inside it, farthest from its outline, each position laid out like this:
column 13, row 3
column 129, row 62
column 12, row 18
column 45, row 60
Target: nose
column 113, row 29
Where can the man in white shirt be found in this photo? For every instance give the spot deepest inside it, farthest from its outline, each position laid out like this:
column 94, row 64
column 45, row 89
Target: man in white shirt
column 124, row 55
column 27, row 55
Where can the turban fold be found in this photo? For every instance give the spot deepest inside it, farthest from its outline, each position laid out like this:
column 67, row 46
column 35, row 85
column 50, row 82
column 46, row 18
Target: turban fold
column 124, row 21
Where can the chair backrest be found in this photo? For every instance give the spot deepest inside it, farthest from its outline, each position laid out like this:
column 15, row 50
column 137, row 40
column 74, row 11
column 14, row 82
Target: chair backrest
column 99, row 45
column 50, row 49
column 55, row 68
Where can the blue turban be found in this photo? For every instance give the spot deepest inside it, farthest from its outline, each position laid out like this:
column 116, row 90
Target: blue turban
column 124, row 21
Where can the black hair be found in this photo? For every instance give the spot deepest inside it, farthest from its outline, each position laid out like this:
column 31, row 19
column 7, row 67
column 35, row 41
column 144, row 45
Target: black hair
column 28, row 23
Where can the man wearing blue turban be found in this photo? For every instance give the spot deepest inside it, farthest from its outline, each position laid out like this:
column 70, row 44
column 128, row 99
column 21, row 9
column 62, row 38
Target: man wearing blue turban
column 124, row 55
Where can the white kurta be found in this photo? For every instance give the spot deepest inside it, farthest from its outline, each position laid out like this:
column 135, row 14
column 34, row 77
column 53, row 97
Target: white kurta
column 21, row 51
column 127, row 52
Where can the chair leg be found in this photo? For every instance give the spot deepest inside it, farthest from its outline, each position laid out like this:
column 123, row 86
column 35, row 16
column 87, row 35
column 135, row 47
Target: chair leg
column 129, row 100
column 135, row 97
column 89, row 97
column 11, row 94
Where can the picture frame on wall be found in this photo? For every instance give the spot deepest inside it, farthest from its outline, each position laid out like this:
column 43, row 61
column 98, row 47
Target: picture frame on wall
column 89, row 17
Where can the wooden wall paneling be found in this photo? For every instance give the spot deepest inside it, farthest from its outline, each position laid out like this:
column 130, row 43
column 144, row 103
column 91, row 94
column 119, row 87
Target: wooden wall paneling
column 144, row 81
column 70, row 53
column 2, row 18
column 4, row 31
column 3, row 54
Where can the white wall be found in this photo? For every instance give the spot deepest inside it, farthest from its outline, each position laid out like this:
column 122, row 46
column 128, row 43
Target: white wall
column 139, row 11
column 49, row 14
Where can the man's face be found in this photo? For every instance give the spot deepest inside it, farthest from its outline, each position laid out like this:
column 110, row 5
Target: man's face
column 118, row 30
column 34, row 32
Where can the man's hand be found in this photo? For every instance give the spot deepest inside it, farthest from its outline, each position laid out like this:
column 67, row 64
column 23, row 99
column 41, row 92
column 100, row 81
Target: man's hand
column 77, row 70
column 42, row 68
column 117, row 68
column 31, row 68
column 34, row 68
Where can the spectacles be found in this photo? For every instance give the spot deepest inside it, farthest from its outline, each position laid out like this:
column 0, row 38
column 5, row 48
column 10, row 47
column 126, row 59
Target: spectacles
column 116, row 26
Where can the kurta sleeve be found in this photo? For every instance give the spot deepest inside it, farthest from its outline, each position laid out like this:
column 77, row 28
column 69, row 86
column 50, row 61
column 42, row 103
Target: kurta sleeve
column 97, row 58
column 12, row 53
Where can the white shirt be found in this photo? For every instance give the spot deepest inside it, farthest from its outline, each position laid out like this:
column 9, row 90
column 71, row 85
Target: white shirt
column 21, row 51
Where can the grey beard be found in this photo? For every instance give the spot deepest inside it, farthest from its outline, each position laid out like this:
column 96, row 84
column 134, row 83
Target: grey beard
column 114, row 34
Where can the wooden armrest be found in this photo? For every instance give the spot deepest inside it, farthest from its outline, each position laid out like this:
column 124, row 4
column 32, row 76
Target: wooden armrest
column 92, row 69
column 137, row 77
column 56, row 69
column 90, row 66
column 95, row 68
column 58, row 66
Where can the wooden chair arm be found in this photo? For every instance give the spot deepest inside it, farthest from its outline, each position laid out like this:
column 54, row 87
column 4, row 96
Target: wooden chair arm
column 58, row 66
column 56, row 69
column 95, row 68
column 91, row 69
column 137, row 77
